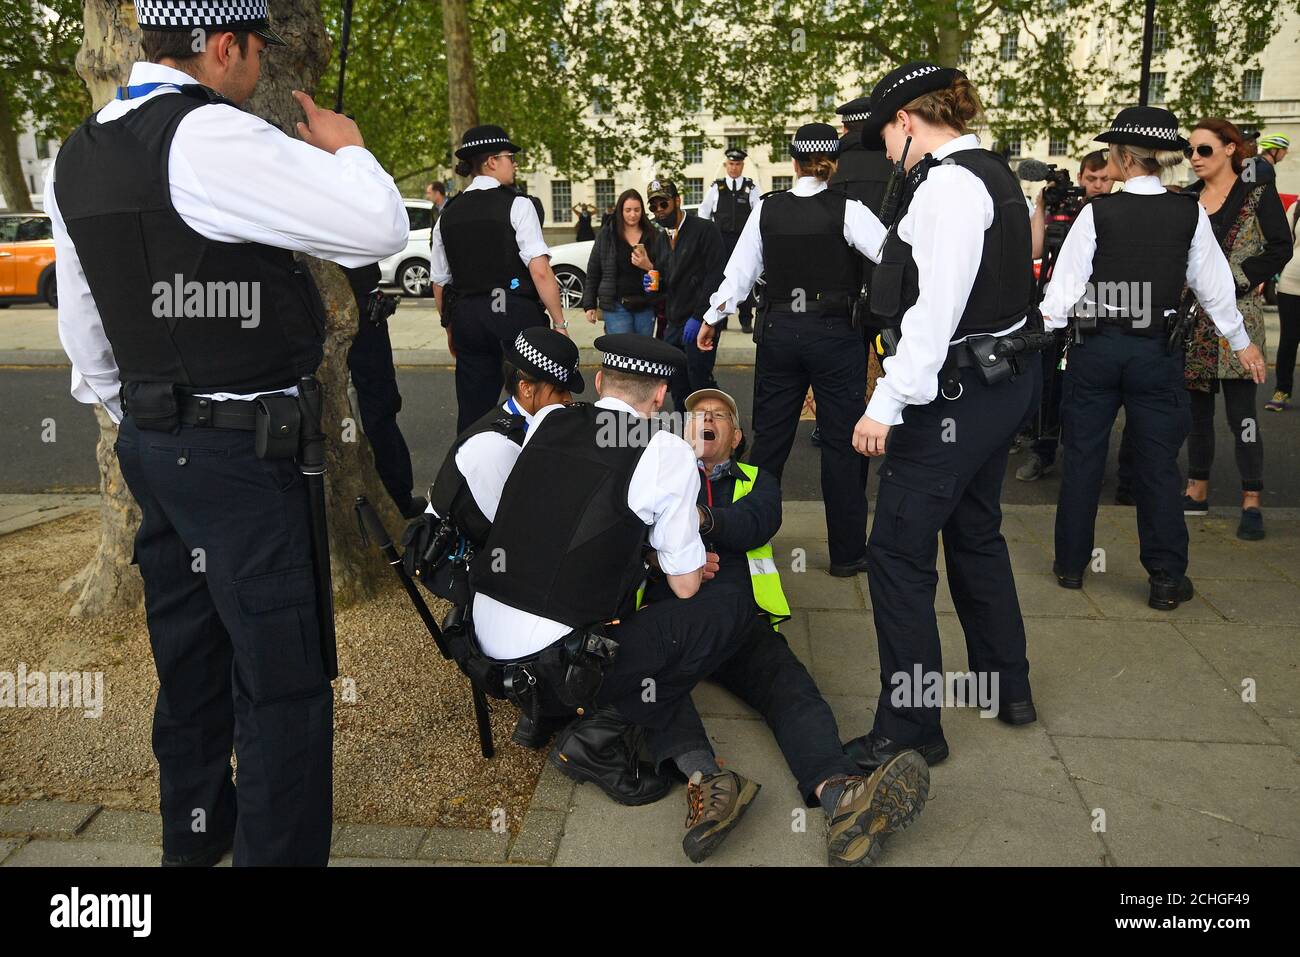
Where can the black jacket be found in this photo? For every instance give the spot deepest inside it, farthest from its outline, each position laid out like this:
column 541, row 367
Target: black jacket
column 1272, row 222
column 698, row 263
column 737, row 526
column 602, row 268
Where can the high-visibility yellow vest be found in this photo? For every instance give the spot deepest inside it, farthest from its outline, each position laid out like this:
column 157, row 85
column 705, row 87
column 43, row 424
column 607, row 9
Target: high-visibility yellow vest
column 763, row 574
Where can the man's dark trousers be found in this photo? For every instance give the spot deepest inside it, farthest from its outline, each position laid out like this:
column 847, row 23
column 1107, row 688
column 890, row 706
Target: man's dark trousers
column 698, row 373
column 370, row 362
column 765, row 674
column 796, row 351
column 224, row 551
column 481, row 326
column 943, row 472
column 1108, row 370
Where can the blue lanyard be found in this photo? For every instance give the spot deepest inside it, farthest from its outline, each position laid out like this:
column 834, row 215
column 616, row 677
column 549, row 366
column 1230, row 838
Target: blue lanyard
column 514, row 409
column 140, row 89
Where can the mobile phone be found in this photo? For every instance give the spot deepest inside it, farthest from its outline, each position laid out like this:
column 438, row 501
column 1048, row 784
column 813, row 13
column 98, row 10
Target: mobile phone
column 640, row 247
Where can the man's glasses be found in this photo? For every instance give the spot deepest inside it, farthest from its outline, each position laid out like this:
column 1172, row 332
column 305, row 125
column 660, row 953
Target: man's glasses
column 658, row 204
column 1204, row 151
column 709, row 413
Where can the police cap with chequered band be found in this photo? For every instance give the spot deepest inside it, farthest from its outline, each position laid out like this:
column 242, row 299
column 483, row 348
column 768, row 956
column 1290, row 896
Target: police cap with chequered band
column 899, row 88
column 1148, row 126
column 546, row 354
column 735, row 154
column 485, row 139
column 640, row 355
column 187, row 15
column 813, row 138
column 856, row 110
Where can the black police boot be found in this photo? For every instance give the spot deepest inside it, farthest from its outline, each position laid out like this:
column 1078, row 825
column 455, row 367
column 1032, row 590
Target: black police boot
column 602, row 748
column 1065, row 580
column 872, row 750
column 536, row 734
column 1017, row 712
column 208, row 857
column 1167, row 594
column 849, row 569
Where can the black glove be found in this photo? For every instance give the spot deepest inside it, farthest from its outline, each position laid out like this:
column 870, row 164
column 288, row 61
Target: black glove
column 425, row 544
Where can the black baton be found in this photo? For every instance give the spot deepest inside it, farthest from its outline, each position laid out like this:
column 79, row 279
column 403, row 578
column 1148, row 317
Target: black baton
column 311, row 460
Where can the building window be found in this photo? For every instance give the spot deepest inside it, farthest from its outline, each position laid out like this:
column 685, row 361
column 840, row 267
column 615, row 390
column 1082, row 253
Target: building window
column 1057, row 145
column 737, row 142
column 964, row 56
column 604, row 154
column 1159, row 39
column 42, row 148
column 1006, row 92
column 1257, row 36
column 782, row 182
column 692, row 101
column 693, row 194
column 692, row 149
column 561, row 201
column 1010, row 47
column 1012, row 144
column 604, row 193
column 828, row 101
column 1252, row 84
column 600, row 102
column 1157, row 91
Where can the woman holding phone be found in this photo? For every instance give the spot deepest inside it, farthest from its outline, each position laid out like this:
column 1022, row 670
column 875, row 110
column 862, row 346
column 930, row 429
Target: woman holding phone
column 626, row 273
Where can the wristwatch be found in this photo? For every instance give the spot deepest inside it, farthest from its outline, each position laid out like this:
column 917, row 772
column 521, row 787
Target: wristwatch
column 562, row 324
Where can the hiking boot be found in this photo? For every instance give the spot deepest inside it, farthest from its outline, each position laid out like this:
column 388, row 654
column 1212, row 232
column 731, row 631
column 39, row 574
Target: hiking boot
column 872, row 808
column 1280, row 402
column 714, row 805
column 602, row 748
column 1034, row 468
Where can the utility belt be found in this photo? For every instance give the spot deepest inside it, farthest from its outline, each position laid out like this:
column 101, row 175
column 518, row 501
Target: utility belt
column 276, row 420
column 994, row 358
column 834, row 310
column 1171, row 326
column 570, row 670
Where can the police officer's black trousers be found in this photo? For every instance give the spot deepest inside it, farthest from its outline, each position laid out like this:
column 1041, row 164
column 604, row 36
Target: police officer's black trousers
column 827, row 353
column 370, row 362
column 1108, row 370
column 481, row 326
column 942, row 472
column 224, row 551
column 765, row 674
column 698, row 372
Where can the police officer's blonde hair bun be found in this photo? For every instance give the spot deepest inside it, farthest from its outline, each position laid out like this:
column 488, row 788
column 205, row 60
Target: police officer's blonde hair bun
column 1150, row 160
column 956, row 106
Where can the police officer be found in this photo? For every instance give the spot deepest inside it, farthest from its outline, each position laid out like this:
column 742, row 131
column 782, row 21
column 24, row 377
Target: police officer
column 1120, row 273
column 172, row 185
column 488, row 247
column 729, row 202
column 954, row 276
column 803, row 241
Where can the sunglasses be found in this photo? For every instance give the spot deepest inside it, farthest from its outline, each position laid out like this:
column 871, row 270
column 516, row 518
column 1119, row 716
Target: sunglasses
column 1204, row 151
column 660, row 203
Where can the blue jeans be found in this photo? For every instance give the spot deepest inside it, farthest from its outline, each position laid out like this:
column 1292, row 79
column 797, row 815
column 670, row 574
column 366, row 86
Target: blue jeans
column 619, row 318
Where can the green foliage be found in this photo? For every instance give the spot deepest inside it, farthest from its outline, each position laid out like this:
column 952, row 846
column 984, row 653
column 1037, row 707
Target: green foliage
column 38, row 50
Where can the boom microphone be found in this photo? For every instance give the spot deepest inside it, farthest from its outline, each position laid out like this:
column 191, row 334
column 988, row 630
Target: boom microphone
column 1032, row 170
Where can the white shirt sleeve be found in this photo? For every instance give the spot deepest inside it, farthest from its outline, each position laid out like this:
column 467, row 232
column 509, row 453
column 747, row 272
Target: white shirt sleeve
column 1210, row 278
column 662, row 492
column 439, row 267
column 486, row 461
column 1071, row 272
column 710, row 203
column 863, row 230
column 945, row 227
column 81, row 330
column 742, row 270
column 528, row 231
column 236, row 178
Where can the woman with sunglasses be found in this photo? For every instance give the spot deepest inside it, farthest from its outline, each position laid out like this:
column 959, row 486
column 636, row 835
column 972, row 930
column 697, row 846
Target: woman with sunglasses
column 1121, row 274
column 1250, row 227
column 490, row 269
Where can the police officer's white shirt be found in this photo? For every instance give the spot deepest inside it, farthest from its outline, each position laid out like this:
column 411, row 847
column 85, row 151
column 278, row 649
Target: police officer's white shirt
column 1208, row 274
column 523, row 217
column 862, row 231
column 485, row 462
column 662, row 493
column 709, row 205
column 233, row 178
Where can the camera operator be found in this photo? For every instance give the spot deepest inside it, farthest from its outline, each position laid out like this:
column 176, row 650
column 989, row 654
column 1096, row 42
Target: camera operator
column 1065, row 202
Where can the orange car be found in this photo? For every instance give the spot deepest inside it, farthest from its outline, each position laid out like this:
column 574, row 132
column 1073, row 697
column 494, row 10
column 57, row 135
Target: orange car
column 26, row 259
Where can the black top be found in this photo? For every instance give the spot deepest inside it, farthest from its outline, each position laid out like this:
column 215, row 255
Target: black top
column 1272, row 222
column 627, row 278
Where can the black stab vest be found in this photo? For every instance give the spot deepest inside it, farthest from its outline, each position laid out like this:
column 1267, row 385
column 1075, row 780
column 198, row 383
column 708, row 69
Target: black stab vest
column 861, row 173
column 1004, row 288
column 451, row 496
column 804, row 252
column 1142, row 240
column 576, row 557
column 733, row 205
column 480, row 242
column 113, row 191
